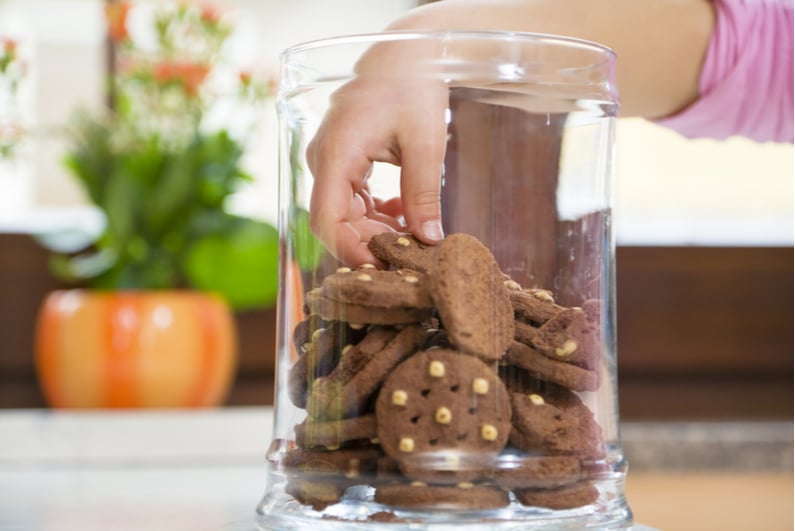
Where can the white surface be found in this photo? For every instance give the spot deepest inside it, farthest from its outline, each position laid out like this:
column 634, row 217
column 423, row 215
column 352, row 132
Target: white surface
column 91, row 498
column 201, row 470
column 230, row 436
column 155, row 470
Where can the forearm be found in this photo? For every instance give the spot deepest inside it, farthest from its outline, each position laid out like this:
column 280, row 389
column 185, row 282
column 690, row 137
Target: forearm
column 660, row 44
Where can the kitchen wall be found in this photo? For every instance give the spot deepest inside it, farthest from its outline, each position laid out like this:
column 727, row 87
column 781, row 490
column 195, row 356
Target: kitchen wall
column 64, row 41
column 670, row 190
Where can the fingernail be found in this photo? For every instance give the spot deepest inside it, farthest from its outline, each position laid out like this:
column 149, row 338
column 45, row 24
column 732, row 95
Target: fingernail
column 432, row 230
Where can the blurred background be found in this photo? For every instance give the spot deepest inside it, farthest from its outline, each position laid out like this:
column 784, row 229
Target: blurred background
column 138, row 150
column 704, row 228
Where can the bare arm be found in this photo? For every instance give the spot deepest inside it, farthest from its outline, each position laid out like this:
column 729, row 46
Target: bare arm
column 660, row 46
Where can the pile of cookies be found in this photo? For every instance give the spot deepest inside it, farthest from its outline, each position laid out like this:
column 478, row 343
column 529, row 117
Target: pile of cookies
column 443, row 384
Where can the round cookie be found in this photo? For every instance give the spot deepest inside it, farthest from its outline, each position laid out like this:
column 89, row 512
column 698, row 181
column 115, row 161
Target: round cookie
column 535, row 306
column 443, row 416
column 332, row 434
column 346, row 463
column 319, row 478
column 468, row 289
column 346, row 391
column 332, row 310
column 382, row 289
column 401, row 250
column 545, row 368
column 554, row 421
column 462, row 497
column 569, row 337
column 567, row 497
column 522, row 471
column 320, row 352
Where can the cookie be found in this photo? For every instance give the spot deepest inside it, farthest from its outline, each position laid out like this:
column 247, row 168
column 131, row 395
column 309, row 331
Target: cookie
column 535, row 306
column 382, row 289
column 302, row 332
column 554, row 421
column 358, row 314
column 473, row 304
column 545, row 368
column 331, row 435
column 567, row 497
column 346, row 391
column 513, row 471
column 569, row 337
column 319, row 355
column 317, row 493
column 402, row 251
column 462, row 497
column 443, row 416
column 524, row 332
column 319, row 478
column 349, row 462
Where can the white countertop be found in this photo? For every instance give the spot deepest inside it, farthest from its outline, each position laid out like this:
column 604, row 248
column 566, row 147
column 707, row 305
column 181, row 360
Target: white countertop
column 202, row 470
column 161, row 470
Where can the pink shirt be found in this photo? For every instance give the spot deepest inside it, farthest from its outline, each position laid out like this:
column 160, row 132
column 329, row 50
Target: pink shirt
column 746, row 82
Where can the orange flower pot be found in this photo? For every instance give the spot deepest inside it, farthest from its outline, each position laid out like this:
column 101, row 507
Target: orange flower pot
column 135, row 349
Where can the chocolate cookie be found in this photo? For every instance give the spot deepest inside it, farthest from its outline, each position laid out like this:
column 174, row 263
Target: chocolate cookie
column 567, row 497
column 473, row 304
column 402, row 288
column 402, row 251
column 522, row 471
column 350, row 463
column 569, row 337
column 345, row 392
column 332, row 434
column 319, row 355
column 535, row 306
column 358, row 314
column 524, row 332
column 443, row 416
column 546, row 368
column 319, row 478
column 555, row 422
column 302, row 333
column 462, row 497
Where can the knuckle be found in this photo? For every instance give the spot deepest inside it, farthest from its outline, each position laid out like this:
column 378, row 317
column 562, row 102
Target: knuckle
column 425, row 198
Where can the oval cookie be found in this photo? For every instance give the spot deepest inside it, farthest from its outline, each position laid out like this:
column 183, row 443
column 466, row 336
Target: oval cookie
column 468, row 288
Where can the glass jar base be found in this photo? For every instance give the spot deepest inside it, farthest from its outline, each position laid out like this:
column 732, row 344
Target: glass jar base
column 358, row 511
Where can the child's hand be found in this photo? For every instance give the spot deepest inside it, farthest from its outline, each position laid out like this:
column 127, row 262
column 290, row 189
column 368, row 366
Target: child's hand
column 378, row 118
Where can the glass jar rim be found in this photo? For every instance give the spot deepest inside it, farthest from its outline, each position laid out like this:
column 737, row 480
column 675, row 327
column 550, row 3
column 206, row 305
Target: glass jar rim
column 489, row 35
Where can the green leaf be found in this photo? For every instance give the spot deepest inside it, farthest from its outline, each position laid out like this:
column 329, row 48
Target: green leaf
column 82, row 267
column 173, row 190
column 121, row 199
column 308, row 249
column 240, row 264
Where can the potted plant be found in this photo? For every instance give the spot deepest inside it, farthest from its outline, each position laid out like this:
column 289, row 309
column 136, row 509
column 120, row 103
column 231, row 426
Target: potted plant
column 153, row 327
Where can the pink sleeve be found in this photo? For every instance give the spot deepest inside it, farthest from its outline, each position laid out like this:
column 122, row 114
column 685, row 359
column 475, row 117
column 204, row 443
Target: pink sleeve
column 746, row 82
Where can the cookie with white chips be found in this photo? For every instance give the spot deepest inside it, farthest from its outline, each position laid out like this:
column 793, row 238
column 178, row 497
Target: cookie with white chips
column 443, row 416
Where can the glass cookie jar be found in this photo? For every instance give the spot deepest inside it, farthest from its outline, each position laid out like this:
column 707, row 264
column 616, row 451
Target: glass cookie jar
column 467, row 383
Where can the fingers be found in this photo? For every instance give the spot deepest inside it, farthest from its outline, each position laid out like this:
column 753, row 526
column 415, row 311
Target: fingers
column 337, row 211
column 422, row 153
column 377, row 124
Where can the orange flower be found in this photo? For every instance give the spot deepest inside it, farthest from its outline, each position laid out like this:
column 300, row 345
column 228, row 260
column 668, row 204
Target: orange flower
column 210, row 14
column 189, row 75
column 116, row 16
column 9, row 46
